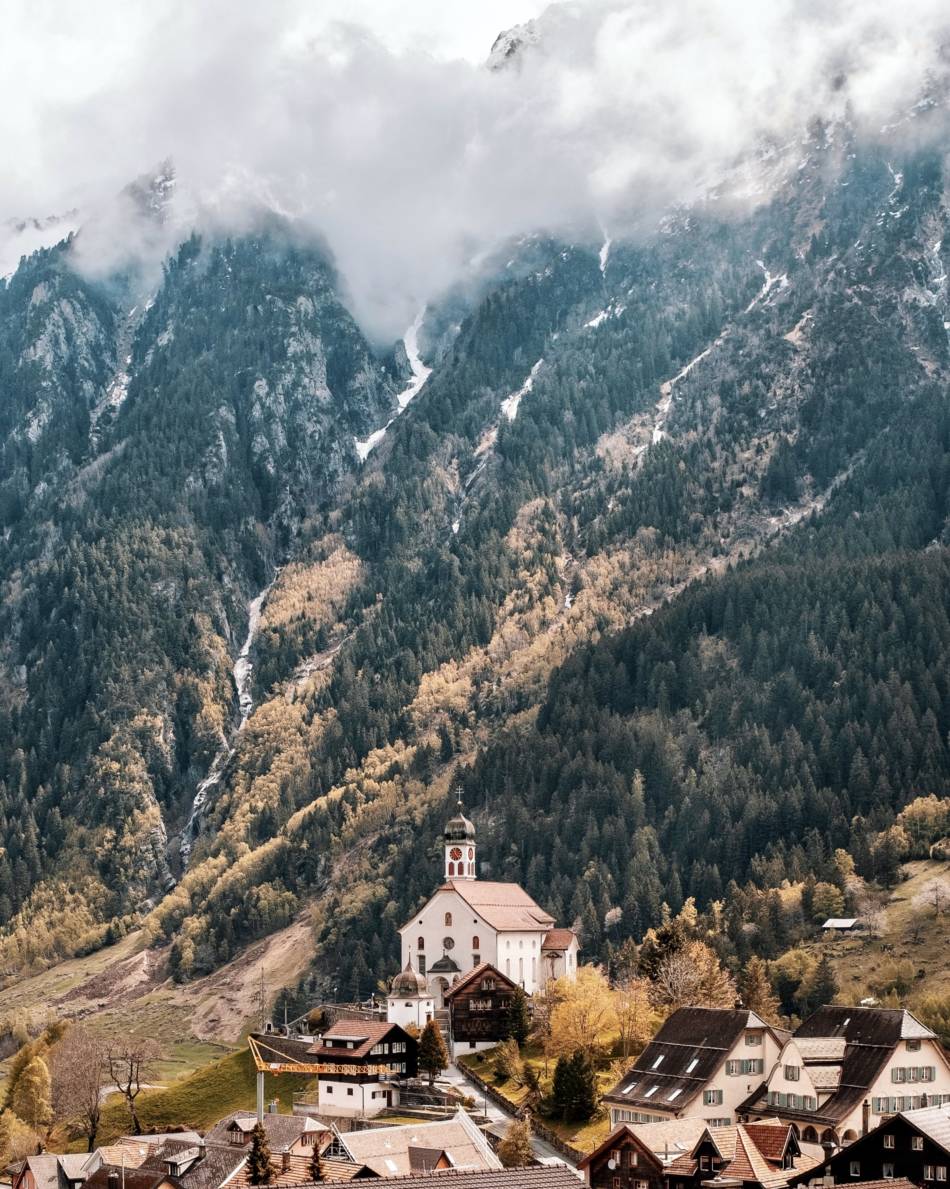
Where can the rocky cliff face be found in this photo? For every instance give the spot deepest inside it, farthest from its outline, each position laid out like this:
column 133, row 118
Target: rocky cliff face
column 606, row 428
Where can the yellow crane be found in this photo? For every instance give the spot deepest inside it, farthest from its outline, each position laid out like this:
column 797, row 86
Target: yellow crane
column 279, row 1054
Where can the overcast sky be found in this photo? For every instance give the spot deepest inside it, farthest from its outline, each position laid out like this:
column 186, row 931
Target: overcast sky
column 376, row 123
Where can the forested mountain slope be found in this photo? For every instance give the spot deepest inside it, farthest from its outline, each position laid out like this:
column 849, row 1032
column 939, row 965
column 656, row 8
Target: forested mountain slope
column 654, row 564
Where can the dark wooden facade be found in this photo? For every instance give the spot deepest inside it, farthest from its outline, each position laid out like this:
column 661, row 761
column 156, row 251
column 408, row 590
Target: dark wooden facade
column 899, row 1147
column 623, row 1162
column 478, row 1006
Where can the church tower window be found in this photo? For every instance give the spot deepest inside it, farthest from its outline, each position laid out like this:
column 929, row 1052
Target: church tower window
column 448, row 919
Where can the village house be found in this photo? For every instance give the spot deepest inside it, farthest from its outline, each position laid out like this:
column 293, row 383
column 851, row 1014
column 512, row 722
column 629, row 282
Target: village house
column 846, row 1068
column 479, row 1006
column 412, row 1148
column 912, row 1145
column 468, row 921
column 751, row 1156
column 362, row 1059
column 704, row 1062
column 291, row 1135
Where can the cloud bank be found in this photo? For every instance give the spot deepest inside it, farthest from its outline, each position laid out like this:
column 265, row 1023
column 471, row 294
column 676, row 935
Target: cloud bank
column 410, row 162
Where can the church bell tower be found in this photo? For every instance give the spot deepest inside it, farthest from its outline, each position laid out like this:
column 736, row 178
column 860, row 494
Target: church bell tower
column 459, row 839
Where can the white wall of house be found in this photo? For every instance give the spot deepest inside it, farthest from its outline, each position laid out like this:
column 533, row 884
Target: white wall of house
column 448, row 918
column 414, row 1009
column 557, row 964
column 352, row 1098
column 732, row 1083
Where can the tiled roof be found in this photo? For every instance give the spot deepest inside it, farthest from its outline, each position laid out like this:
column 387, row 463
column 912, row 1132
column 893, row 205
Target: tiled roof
column 428, row 1159
column 135, row 1178
column 386, row 1149
column 821, row 1048
column 682, row 1057
column 558, row 939
column 505, row 906
column 544, row 1176
column 934, row 1122
column 217, row 1164
column 479, row 972
column 133, row 1152
column 282, row 1131
column 855, row 1041
column 864, row 1025
column 893, row 1183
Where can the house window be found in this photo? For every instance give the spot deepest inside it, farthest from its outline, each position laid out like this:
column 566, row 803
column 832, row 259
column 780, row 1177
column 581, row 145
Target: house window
column 448, row 919
column 913, row 1046
column 855, row 1168
column 887, row 1171
column 422, row 963
column 704, row 1163
column 888, row 1141
column 792, row 1073
column 753, row 1038
column 349, row 1091
column 631, row 1158
column 329, row 1089
column 712, row 1098
column 941, row 1172
column 616, row 1183
column 916, row 1143
column 928, row 1172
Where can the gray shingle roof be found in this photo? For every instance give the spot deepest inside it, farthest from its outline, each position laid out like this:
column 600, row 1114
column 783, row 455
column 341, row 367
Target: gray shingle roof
column 683, row 1056
column 545, row 1176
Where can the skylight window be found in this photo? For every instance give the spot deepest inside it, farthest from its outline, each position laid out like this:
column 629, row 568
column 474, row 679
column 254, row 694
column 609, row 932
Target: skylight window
column 658, row 1062
column 673, row 1094
column 692, row 1065
column 629, row 1089
column 651, row 1091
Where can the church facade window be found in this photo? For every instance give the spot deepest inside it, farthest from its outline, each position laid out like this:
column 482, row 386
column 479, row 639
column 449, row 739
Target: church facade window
column 448, row 920
column 475, row 944
column 420, row 943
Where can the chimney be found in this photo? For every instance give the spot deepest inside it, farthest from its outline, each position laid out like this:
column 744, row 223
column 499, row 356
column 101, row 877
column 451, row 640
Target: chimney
column 865, row 1117
column 272, row 1107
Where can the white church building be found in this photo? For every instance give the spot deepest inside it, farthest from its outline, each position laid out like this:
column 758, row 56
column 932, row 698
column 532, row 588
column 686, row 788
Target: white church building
column 468, row 921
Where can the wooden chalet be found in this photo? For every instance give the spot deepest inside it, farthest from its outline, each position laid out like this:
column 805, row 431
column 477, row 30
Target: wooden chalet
column 913, row 1145
column 478, row 1007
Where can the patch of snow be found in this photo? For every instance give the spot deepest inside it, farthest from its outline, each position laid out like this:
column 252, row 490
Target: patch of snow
column 767, row 287
column 605, row 252
column 509, row 406
column 612, row 311
column 420, row 373
column 243, row 671
column 456, row 525
column 365, row 446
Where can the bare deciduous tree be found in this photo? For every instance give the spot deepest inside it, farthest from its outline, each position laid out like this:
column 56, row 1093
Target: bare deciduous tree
column 634, row 1017
column 79, row 1075
column 935, row 895
column 692, row 976
column 130, row 1062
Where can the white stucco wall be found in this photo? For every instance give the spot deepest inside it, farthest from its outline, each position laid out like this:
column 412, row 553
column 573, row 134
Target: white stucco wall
column 415, row 1010
column 350, row 1098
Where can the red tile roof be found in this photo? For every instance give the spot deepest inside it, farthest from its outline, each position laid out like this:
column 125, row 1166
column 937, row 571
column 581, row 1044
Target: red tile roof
column 558, row 939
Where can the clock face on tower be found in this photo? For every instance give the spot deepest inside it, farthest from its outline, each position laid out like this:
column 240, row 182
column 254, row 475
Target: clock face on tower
column 455, row 853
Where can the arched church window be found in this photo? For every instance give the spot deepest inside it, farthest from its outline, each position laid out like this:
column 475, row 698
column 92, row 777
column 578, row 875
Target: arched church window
column 420, row 943
column 448, row 919
column 475, row 944
column 451, row 868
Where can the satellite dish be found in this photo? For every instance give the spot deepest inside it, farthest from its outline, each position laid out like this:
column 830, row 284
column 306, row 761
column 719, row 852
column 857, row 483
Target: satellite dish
column 611, row 1163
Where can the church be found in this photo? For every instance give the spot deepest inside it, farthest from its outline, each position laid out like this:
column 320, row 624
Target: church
column 470, row 922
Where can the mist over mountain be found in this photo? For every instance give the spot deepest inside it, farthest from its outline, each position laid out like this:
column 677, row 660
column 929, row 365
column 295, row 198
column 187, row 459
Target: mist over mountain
column 567, row 423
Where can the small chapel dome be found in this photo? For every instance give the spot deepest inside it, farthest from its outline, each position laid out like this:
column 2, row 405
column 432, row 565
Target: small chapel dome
column 459, row 828
column 407, row 982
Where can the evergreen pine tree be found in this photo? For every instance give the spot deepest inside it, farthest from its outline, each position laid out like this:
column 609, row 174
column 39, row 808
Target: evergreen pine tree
column 755, row 991
column 824, row 985
column 433, row 1057
column 519, row 1018
column 315, row 1166
column 259, row 1170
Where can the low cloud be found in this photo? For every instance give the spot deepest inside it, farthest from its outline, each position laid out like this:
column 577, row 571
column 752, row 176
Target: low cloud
column 410, row 165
